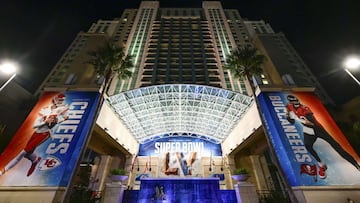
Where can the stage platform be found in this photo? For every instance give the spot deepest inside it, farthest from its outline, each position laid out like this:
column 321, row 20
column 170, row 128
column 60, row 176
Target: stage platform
column 179, row 190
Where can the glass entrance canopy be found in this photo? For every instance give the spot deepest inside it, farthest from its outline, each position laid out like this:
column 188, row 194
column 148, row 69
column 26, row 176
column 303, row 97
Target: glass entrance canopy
column 180, row 110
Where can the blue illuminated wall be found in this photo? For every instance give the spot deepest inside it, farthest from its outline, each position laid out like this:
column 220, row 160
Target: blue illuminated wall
column 204, row 190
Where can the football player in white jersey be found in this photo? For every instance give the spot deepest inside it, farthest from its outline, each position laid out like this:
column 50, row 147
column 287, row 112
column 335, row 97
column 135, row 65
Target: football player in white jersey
column 47, row 119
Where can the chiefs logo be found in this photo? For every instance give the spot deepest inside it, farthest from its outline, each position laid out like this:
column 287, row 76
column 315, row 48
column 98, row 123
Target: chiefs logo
column 49, row 163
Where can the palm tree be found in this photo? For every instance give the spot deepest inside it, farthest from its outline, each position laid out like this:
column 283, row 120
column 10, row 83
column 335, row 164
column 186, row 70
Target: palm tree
column 245, row 62
column 110, row 60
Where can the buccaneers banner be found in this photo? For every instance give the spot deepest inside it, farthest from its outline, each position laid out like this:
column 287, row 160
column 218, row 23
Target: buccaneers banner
column 45, row 149
column 309, row 145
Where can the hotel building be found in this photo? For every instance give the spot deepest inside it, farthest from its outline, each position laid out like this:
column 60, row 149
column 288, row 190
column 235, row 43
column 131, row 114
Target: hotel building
column 180, row 95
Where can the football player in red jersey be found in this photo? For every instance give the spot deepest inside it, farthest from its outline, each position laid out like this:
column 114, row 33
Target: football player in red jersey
column 312, row 130
column 47, row 119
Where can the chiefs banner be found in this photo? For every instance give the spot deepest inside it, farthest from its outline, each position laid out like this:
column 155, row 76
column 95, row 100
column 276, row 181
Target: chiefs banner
column 45, row 149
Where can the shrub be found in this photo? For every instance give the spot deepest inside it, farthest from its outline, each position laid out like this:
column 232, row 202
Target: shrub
column 118, row 171
column 239, row 171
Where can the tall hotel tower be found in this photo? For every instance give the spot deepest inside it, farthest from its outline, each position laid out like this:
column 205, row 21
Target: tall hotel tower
column 182, row 114
column 183, row 46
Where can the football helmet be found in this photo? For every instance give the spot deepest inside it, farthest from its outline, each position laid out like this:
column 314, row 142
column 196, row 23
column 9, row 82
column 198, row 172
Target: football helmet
column 59, row 99
column 293, row 100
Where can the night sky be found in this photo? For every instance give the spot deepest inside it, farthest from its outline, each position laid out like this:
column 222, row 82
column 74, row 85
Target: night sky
column 37, row 33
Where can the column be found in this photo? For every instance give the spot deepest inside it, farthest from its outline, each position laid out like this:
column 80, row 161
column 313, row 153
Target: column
column 114, row 192
column 259, row 173
column 246, row 192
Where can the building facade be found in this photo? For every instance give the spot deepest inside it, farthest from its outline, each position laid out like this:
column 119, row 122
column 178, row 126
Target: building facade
column 14, row 108
column 179, row 88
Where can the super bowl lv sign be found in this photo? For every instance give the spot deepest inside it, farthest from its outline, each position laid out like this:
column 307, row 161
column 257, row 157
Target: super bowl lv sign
column 179, row 156
column 309, row 146
column 46, row 147
column 180, row 144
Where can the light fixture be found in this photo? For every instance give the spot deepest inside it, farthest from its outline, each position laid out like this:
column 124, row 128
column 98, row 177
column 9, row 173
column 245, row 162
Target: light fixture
column 8, row 68
column 350, row 200
column 352, row 63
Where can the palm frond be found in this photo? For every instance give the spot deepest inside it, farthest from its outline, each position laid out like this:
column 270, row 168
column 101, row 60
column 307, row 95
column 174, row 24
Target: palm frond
column 245, row 61
column 109, row 60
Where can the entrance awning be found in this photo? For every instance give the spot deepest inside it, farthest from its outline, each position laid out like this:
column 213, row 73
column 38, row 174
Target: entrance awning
column 180, row 110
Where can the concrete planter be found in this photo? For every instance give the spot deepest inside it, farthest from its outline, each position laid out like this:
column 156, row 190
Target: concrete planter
column 240, row 177
column 118, row 178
